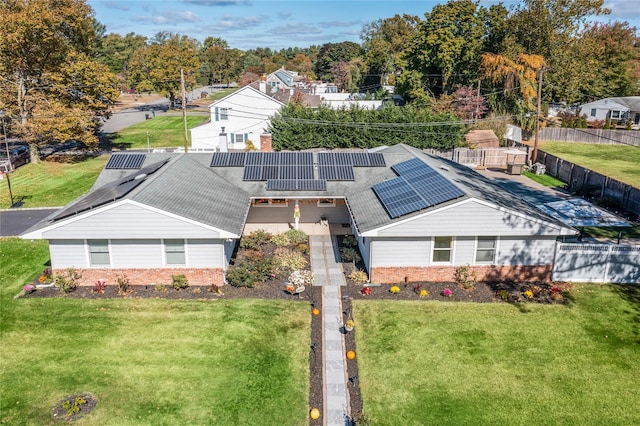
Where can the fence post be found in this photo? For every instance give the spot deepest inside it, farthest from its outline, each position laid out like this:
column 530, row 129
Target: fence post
column 606, row 265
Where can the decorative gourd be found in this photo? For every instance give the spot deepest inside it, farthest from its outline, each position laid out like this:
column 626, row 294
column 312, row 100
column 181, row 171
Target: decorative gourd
column 351, row 355
column 314, row 413
column 315, row 311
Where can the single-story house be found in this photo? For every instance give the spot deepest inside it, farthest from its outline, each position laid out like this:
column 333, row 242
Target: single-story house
column 616, row 109
column 415, row 216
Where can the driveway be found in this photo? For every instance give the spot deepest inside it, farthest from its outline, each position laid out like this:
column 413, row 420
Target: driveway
column 15, row 222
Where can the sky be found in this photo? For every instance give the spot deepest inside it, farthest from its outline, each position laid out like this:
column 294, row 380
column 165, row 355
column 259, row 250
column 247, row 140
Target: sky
column 247, row 24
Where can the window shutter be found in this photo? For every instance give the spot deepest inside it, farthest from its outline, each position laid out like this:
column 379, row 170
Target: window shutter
column 232, row 138
column 217, row 114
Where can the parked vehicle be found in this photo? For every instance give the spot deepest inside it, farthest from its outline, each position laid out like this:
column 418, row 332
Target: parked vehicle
column 18, row 156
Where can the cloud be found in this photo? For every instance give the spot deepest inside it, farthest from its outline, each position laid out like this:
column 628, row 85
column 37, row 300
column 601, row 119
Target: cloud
column 296, row 28
column 284, row 15
column 115, row 5
column 169, row 18
column 340, row 23
column 626, row 10
column 219, row 3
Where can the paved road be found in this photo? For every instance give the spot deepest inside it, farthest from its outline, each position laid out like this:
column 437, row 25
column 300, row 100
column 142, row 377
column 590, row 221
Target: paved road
column 15, row 222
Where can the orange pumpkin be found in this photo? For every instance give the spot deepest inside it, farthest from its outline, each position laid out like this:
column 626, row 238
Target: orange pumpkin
column 314, row 413
column 315, row 311
column 351, row 355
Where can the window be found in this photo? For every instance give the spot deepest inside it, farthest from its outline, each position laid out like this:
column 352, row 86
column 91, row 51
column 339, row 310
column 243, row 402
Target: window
column 593, row 112
column 486, row 250
column 99, row 253
column 174, row 252
column 237, row 138
column 270, row 202
column 326, row 202
column 224, row 113
column 615, row 114
column 442, row 249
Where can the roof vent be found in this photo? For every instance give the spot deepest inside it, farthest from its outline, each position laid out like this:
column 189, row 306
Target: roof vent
column 444, row 168
column 140, row 176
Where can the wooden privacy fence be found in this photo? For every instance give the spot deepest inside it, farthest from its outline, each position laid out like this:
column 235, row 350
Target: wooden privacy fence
column 597, row 263
column 484, row 157
column 600, row 136
column 576, row 177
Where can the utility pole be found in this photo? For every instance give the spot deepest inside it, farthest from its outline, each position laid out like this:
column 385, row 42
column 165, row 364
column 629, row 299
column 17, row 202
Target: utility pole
column 534, row 157
column 148, row 144
column 184, row 112
column 477, row 103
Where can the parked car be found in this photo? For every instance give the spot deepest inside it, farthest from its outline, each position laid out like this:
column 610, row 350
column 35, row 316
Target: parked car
column 18, row 156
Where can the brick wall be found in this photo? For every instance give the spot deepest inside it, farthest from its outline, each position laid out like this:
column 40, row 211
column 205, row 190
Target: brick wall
column 196, row 276
column 266, row 144
column 447, row 273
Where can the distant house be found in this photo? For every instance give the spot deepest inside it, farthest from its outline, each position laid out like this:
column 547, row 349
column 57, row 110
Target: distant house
column 243, row 115
column 416, row 217
column 616, row 109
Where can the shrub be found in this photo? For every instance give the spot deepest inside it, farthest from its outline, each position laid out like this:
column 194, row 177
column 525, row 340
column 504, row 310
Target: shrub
column 99, row 286
column 255, row 240
column 196, row 290
column 74, row 405
column 124, row 284
column 417, row 288
column 297, row 236
column 366, row 291
column 248, row 271
column 349, row 255
column 301, row 278
column 290, row 260
column 179, row 282
column 161, row 288
column 394, row 289
column 447, row 292
column 281, row 240
column 465, row 277
column 503, row 294
column 302, row 248
column 349, row 241
column 46, row 276
column 67, row 281
column 215, row 289
column 358, row 276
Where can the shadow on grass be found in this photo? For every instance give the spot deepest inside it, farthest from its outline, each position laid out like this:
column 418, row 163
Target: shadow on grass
column 107, row 142
column 630, row 293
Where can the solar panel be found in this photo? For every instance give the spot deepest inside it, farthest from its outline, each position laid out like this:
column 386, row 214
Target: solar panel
column 269, row 172
column 398, row 198
column 344, row 173
column 99, row 197
column 305, row 171
column 288, row 172
column 327, row 172
column 220, row 159
column 376, row 159
column 296, row 185
column 125, row 161
column 343, row 159
column 253, row 159
column 326, row 158
column 360, row 159
column 271, row 158
column 236, row 159
column 305, row 158
column 252, row 173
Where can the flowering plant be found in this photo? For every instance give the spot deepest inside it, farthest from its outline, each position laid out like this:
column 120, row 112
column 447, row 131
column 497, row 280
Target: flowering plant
column 301, row 278
column 46, row 276
column 366, row 291
column 349, row 324
column 528, row 294
column 447, row 292
column 423, row 293
column 394, row 289
column 29, row 288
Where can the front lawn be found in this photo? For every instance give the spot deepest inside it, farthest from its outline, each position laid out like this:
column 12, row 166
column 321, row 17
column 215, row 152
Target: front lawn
column 51, row 184
column 164, row 131
column 616, row 161
column 149, row 361
column 481, row 364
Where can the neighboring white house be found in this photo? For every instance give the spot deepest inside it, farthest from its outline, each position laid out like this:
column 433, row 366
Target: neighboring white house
column 416, row 217
column 616, row 109
column 243, row 115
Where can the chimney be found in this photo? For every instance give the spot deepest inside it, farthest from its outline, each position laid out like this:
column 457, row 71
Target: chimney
column 262, row 86
column 223, row 141
column 265, row 142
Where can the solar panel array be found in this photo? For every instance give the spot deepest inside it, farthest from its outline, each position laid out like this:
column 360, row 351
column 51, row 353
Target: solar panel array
column 355, row 159
column 336, row 172
column 296, row 185
column 228, row 159
column 110, row 192
column 125, row 161
column 417, row 187
column 266, row 172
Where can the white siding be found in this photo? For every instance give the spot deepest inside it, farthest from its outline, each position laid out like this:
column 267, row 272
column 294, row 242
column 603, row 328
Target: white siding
column 526, row 251
column 465, row 248
column 136, row 254
column 468, row 218
column 68, row 254
column 205, row 253
column 129, row 221
column 364, row 244
column 400, row 252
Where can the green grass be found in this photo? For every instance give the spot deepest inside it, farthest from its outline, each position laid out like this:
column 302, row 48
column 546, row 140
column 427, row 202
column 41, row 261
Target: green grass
column 50, row 184
column 544, row 180
column 616, row 161
column 164, row 131
column 501, row 364
column 148, row 361
column 216, row 96
column 612, row 232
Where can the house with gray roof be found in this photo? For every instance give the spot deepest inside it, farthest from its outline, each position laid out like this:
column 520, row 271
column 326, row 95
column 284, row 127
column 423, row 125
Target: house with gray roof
column 618, row 109
column 416, row 217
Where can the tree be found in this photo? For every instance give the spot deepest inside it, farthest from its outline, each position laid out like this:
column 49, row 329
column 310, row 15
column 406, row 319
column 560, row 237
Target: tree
column 384, row 41
column 115, row 51
column 445, row 50
column 302, row 64
column 157, row 66
column 335, row 52
column 47, row 72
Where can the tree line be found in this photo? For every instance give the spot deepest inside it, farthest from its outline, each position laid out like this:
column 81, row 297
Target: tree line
column 60, row 71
